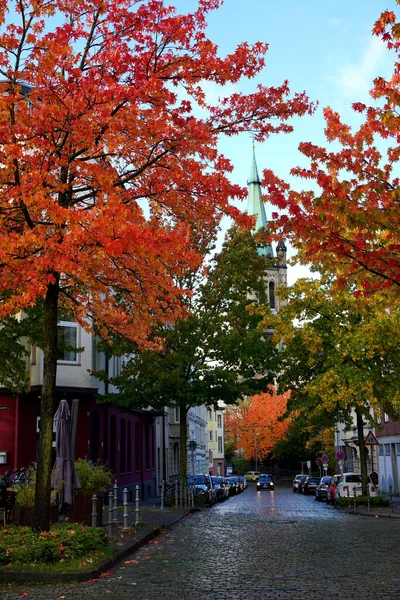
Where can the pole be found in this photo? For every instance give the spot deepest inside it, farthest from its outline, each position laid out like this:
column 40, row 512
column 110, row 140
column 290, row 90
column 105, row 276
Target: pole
column 110, row 512
column 137, row 509
column 94, row 510
column 115, row 520
column 125, row 516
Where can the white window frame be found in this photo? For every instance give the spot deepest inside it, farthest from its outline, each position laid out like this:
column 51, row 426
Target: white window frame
column 220, row 444
column 71, row 325
column 219, row 421
column 211, row 435
column 177, row 414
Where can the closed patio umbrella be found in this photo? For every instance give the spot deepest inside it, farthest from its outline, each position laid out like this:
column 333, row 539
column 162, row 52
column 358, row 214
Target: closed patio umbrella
column 64, row 474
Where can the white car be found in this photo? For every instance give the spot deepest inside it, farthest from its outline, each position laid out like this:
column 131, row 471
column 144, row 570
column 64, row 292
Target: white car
column 350, row 482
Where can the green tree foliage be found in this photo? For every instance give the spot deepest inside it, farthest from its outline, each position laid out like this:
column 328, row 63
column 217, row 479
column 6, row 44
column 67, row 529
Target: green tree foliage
column 218, row 353
column 341, row 355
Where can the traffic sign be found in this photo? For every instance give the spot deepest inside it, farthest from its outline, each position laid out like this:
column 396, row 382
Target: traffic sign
column 371, row 440
column 339, row 455
column 325, row 459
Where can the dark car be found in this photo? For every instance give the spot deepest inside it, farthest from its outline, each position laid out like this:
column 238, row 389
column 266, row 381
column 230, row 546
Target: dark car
column 201, row 486
column 234, row 489
column 264, row 483
column 218, row 486
column 309, row 485
column 320, row 490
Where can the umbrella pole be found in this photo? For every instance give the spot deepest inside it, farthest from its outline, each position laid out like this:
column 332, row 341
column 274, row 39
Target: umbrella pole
column 74, row 424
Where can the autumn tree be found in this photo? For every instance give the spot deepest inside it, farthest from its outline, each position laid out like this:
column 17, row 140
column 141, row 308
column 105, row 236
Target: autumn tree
column 351, row 223
column 217, row 353
column 340, row 355
column 110, row 164
column 256, row 424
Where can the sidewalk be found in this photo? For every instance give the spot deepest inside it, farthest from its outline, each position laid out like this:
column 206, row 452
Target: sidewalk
column 376, row 511
column 153, row 521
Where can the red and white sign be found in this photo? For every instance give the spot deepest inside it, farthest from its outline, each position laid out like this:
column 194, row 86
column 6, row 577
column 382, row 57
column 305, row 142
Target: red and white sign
column 371, row 440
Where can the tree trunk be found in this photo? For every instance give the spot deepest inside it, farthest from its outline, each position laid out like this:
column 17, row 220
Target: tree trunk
column 183, row 445
column 41, row 516
column 363, row 454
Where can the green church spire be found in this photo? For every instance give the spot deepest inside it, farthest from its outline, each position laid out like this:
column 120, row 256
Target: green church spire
column 255, row 203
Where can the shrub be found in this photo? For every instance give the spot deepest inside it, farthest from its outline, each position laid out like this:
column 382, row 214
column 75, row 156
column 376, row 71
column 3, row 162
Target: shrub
column 20, row 547
column 363, row 501
column 94, row 478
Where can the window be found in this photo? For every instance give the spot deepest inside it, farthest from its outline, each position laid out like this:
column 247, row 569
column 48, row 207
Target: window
column 386, row 417
column 209, row 413
column 398, row 449
column 219, row 444
column 67, row 342
column 219, row 420
column 271, row 294
column 177, row 414
column 129, row 447
column 95, row 438
column 210, row 456
column 33, row 355
column 380, row 449
column 137, row 447
column 211, row 436
column 113, row 442
column 387, row 449
column 122, row 455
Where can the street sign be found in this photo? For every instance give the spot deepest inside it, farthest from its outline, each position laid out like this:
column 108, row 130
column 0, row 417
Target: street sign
column 339, row 455
column 325, row 459
column 371, row 440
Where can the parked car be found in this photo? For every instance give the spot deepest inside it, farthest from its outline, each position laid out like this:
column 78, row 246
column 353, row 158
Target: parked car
column 219, row 487
column 201, row 486
column 225, row 486
column 320, row 491
column 309, row 485
column 234, row 483
column 243, row 481
column 252, row 475
column 264, row 483
column 210, row 483
column 330, row 490
column 297, row 481
column 350, row 483
column 231, row 486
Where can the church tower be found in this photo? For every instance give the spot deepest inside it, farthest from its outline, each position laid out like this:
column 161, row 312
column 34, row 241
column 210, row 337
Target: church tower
column 276, row 273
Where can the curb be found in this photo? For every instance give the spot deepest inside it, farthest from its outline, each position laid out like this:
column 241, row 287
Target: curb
column 42, row 577
column 363, row 513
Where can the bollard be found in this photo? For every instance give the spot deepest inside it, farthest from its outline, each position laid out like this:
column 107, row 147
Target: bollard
column 355, row 497
column 348, row 497
column 110, row 512
column 162, row 494
column 94, row 510
column 125, row 516
column 368, row 499
column 115, row 519
column 137, row 509
column 176, row 495
column 390, row 500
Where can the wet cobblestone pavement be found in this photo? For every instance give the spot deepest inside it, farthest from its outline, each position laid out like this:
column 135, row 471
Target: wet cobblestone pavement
column 255, row 546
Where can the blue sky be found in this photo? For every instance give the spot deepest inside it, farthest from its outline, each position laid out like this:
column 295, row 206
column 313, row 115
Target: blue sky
column 325, row 48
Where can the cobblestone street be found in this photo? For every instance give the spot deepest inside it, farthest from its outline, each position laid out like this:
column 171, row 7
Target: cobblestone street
column 254, row 546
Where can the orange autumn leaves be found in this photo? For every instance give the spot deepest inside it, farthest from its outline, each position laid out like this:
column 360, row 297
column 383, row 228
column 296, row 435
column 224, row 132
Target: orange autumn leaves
column 256, row 424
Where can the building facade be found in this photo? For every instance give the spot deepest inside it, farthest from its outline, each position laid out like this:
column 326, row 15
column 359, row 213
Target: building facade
column 216, row 441
column 123, row 439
